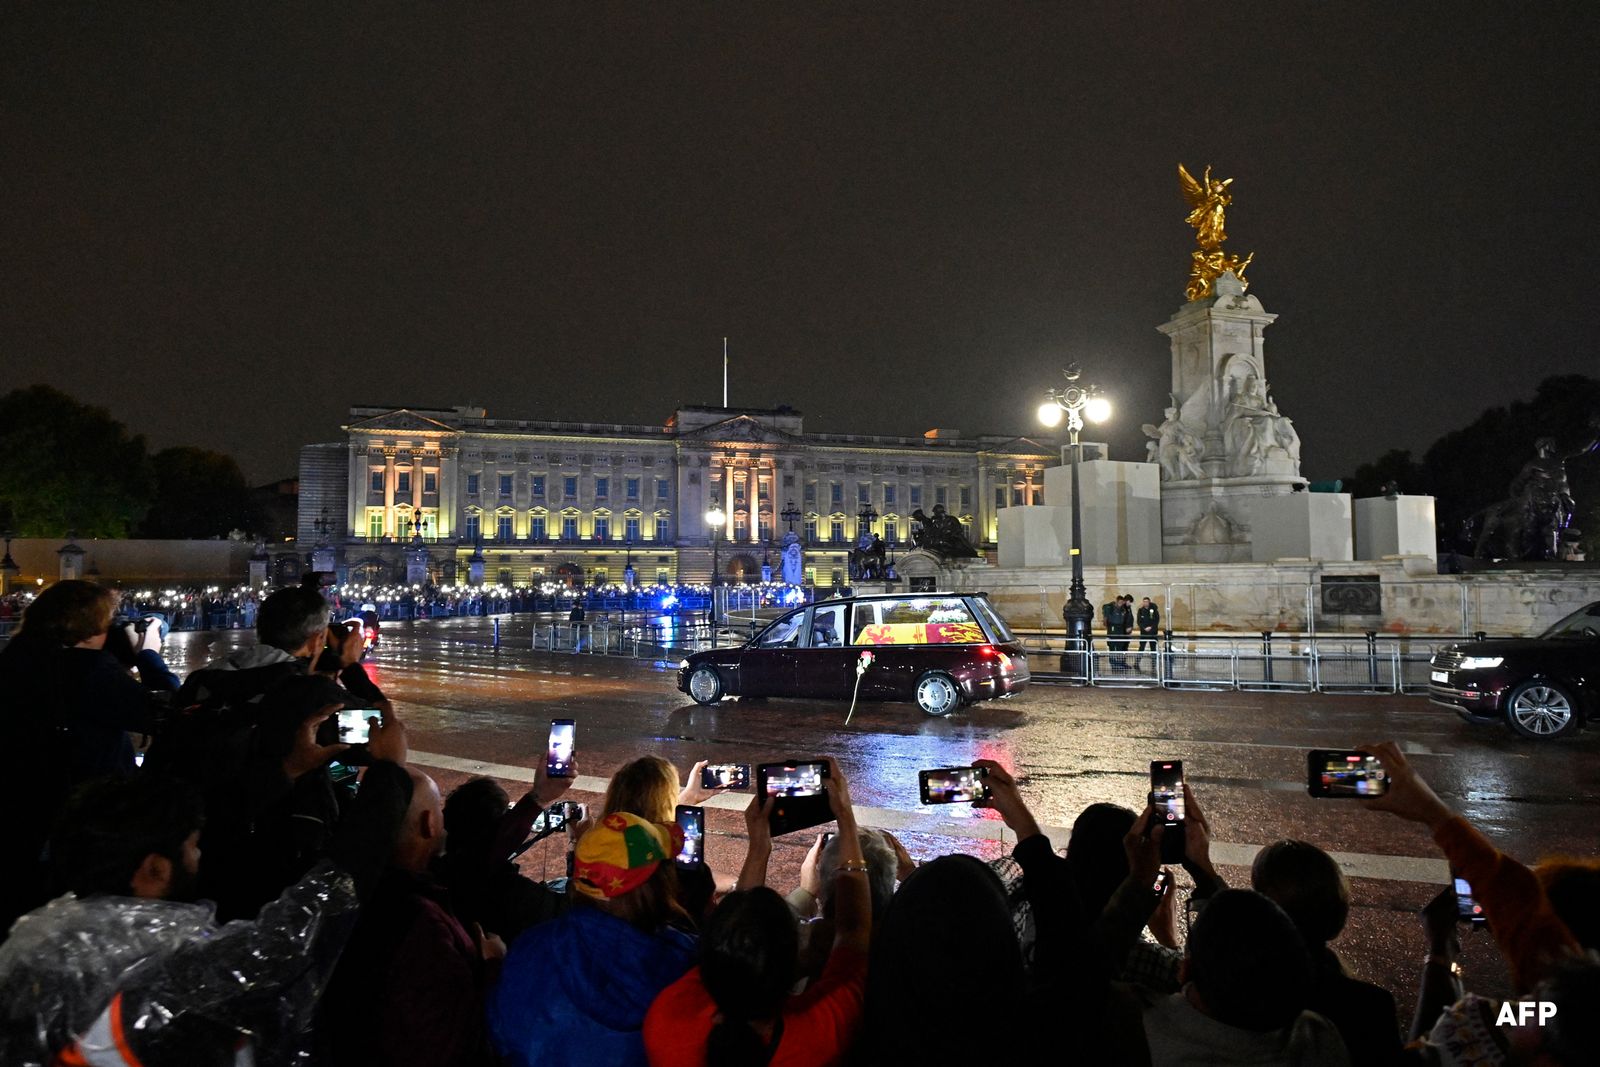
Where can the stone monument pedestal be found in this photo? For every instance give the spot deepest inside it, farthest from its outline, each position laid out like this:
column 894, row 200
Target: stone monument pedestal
column 1120, row 512
column 1395, row 526
column 1302, row 526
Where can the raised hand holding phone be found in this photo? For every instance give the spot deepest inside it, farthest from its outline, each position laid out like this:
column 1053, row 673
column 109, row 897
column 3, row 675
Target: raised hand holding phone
column 1006, row 798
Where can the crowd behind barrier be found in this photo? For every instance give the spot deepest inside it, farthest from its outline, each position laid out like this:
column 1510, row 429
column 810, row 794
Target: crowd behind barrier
column 222, row 869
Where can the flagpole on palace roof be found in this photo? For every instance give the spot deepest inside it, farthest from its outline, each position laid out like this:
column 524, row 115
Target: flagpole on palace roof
column 724, row 372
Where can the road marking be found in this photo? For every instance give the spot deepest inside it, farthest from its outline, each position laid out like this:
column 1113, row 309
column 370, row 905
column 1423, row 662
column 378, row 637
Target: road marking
column 1356, row 864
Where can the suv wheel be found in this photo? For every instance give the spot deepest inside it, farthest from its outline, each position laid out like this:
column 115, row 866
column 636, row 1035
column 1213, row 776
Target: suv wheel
column 1541, row 709
column 705, row 684
column 937, row 694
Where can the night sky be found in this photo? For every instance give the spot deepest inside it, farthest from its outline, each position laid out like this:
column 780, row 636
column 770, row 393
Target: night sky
column 229, row 225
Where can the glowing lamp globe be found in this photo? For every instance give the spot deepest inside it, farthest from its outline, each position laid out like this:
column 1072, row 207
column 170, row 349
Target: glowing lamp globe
column 1050, row 413
column 1098, row 409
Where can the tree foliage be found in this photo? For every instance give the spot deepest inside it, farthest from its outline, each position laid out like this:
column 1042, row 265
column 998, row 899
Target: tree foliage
column 1469, row 469
column 68, row 467
column 198, row 494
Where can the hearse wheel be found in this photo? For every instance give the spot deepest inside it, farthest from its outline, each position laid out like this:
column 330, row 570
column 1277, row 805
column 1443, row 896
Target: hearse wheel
column 937, row 693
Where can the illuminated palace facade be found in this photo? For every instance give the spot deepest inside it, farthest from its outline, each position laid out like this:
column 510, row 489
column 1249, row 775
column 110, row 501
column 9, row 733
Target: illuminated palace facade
column 543, row 500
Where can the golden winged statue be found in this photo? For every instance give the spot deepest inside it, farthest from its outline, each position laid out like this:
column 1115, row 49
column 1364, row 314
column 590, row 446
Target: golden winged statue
column 1208, row 200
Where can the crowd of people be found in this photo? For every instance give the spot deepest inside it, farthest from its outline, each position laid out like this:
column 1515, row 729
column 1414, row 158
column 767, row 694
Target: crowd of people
column 208, row 874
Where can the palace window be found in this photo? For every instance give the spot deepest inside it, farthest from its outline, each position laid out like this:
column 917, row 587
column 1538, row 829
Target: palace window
column 602, row 528
column 811, row 531
column 473, row 527
column 569, row 527
column 377, row 479
column 569, row 488
column 836, row 531
column 811, row 492
column 403, row 488
column 430, row 481
column 662, row 489
column 632, row 486
column 765, row 526
column 939, row 495
column 505, row 485
column 536, row 527
column 888, row 496
column 536, row 484
column 375, row 523
column 891, row 531
column 663, row 528
column 966, row 498
column 602, row 488
column 472, row 485
column 916, row 496
column 999, row 496
column 630, row 528
column 863, row 493
column 836, row 493
column 504, row 528
column 663, row 576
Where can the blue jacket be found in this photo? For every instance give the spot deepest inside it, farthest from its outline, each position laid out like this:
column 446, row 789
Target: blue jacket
column 574, row 990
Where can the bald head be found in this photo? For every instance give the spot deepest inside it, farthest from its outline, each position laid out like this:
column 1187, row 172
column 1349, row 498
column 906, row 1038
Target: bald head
column 422, row 833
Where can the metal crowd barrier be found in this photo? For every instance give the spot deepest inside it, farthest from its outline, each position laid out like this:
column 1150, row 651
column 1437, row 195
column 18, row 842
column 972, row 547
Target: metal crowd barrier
column 1271, row 662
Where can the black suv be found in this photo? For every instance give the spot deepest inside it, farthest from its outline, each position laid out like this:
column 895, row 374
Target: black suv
column 1543, row 686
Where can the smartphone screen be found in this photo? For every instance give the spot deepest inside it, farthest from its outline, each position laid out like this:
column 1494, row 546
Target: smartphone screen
column 952, row 785
column 692, row 821
column 827, row 835
column 1344, row 773
column 794, row 779
column 725, row 776
column 353, row 728
column 559, row 763
column 799, row 791
column 1468, row 910
column 1166, row 796
column 1163, row 879
column 1166, row 790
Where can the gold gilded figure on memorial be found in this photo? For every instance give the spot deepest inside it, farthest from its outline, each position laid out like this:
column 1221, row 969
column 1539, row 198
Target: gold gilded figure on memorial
column 1209, row 200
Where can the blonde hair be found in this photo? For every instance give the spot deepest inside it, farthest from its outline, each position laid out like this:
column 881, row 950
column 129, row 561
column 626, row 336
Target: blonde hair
column 646, row 787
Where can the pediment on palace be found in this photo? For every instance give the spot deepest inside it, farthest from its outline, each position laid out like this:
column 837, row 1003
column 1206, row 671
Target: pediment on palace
column 402, row 420
column 1023, row 446
column 741, row 429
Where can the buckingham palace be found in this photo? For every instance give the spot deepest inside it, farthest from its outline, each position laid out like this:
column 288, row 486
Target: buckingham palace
column 532, row 501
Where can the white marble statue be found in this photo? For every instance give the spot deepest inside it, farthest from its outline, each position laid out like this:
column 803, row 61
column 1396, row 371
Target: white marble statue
column 1176, row 447
column 1248, row 429
column 1284, row 435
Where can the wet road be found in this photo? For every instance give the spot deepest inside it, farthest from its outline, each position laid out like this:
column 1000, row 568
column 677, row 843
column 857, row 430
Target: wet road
column 473, row 709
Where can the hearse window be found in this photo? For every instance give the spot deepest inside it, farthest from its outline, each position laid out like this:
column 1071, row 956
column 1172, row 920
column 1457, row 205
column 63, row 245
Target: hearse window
column 997, row 625
column 827, row 626
column 785, row 633
column 916, row 621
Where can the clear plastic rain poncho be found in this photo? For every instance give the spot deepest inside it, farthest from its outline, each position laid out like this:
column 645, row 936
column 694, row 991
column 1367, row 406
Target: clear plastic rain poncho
column 189, row 992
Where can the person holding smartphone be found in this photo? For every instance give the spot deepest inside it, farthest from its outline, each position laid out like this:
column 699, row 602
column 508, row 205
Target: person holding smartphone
column 735, row 1007
column 1528, row 929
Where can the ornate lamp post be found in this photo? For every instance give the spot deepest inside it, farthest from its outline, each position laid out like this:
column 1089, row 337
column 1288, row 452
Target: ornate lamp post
column 717, row 519
column 790, row 514
column 1076, row 401
column 865, row 518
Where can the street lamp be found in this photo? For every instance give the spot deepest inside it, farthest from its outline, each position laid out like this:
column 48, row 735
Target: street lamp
column 865, row 518
column 790, row 514
column 1076, row 401
column 717, row 519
